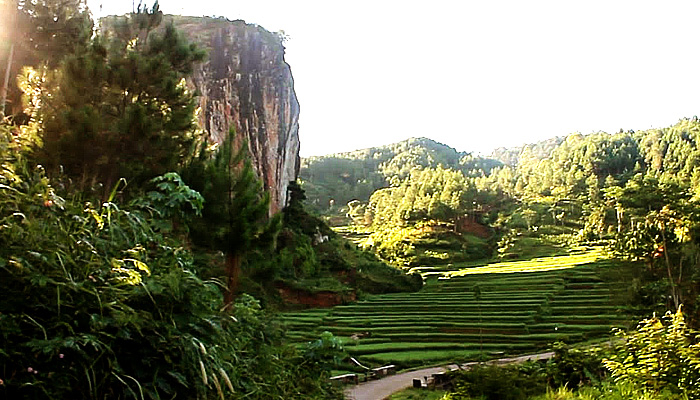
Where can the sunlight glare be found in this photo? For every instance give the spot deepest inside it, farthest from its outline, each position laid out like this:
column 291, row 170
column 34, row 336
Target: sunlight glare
column 4, row 21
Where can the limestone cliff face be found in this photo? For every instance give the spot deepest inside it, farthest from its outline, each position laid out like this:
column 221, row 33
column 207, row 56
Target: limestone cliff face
column 246, row 84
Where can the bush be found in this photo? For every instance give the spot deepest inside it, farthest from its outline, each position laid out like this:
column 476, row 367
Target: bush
column 513, row 382
column 326, row 352
column 99, row 303
column 573, row 368
column 659, row 356
column 377, row 277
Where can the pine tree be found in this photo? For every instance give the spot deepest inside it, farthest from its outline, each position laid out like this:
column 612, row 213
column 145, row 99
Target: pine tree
column 235, row 219
column 119, row 107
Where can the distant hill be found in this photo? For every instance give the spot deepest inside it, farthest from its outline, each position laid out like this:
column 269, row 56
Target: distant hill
column 636, row 191
column 334, row 180
column 540, row 150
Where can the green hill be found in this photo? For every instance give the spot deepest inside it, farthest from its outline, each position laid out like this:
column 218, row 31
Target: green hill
column 334, row 180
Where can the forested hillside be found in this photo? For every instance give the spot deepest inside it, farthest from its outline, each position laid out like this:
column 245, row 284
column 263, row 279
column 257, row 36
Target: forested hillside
column 332, row 181
column 540, row 150
column 636, row 192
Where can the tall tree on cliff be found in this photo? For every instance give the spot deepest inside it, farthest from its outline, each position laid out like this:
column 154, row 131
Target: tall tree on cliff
column 118, row 107
column 235, row 219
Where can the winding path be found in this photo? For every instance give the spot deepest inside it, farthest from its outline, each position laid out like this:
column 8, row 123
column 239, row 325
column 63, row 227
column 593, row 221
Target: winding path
column 383, row 388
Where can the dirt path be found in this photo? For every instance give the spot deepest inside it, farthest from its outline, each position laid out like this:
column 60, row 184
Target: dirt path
column 383, row 388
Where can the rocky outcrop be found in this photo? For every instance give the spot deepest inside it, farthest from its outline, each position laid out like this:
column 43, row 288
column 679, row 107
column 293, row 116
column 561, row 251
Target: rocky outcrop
column 246, row 84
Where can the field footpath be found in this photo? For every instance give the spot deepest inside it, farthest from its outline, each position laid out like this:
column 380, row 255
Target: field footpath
column 385, row 387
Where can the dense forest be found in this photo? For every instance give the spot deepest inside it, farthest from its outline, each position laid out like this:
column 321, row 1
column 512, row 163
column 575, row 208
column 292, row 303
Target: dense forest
column 336, row 179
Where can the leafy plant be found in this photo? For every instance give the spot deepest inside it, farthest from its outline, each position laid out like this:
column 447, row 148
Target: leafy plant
column 659, row 356
column 575, row 367
column 327, row 351
column 173, row 195
column 99, row 303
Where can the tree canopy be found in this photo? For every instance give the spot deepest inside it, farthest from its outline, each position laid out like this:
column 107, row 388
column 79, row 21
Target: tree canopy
column 118, row 106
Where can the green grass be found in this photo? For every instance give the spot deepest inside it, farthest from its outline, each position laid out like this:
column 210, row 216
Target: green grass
column 584, row 319
column 417, row 357
column 523, row 307
column 460, row 324
column 396, row 346
column 533, row 338
column 533, row 265
column 413, row 315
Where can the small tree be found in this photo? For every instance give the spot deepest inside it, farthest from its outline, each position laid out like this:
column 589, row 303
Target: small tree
column 477, row 297
column 235, row 218
column 37, row 33
column 662, row 229
column 326, row 352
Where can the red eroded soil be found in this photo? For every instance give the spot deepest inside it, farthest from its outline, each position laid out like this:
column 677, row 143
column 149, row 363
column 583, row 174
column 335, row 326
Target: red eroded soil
column 475, row 228
column 323, row 299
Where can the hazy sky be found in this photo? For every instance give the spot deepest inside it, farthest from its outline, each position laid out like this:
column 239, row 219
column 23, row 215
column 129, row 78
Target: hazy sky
column 475, row 75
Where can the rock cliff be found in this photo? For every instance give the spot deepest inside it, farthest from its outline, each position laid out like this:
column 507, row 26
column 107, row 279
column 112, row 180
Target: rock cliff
column 246, row 84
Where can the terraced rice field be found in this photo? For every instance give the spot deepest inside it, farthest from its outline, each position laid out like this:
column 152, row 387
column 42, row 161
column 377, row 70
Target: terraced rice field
column 465, row 314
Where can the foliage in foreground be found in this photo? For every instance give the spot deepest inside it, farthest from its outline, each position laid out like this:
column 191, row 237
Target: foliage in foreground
column 659, row 356
column 417, row 394
column 102, row 301
column 499, row 383
column 658, row 361
column 606, row 391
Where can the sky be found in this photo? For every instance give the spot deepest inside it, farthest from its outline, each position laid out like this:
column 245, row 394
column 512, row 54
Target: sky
column 475, row 75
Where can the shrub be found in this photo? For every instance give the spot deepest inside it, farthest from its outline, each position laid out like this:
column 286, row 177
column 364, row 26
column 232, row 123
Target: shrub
column 573, row 368
column 659, row 356
column 514, row 382
column 326, row 352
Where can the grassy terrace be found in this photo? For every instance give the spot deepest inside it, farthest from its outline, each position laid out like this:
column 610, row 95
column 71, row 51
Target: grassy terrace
column 521, row 307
